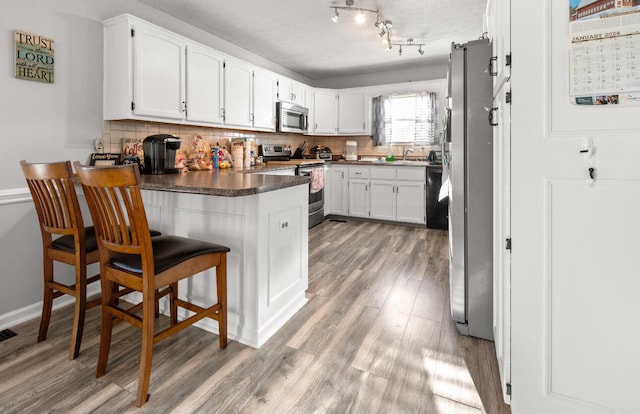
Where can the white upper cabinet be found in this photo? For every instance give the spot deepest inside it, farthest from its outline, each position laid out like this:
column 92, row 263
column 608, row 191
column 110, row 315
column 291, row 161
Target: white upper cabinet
column 340, row 112
column 250, row 95
column 153, row 74
column 325, row 112
column 204, row 85
column 264, row 98
column 158, row 59
column 138, row 57
column 352, row 113
column 238, row 94
column 292, row 91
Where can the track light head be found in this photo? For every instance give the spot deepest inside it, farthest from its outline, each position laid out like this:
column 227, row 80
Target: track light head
column 382, row 33
column 335, row 16
column 400, row 51
column 420, row 51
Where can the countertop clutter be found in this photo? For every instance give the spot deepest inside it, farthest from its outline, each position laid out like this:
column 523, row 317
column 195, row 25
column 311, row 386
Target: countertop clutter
column 222, row 182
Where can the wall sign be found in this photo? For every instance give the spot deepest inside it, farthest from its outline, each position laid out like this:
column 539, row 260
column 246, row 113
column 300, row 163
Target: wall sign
column 33, row 57
column 604, row 54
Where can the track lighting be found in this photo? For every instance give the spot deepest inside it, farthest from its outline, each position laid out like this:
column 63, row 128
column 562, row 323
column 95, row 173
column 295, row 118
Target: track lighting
column 409, row 42
column 381, row 24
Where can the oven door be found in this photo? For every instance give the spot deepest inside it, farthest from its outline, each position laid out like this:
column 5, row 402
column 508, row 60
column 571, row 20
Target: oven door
column 316, row 196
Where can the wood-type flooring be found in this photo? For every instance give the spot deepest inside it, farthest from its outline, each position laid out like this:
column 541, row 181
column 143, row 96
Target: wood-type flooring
column 375, row 337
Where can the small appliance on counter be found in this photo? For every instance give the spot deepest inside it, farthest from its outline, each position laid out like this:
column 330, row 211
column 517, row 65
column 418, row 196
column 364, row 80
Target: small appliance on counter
column 274, row 152
column 320, row 152
column 160, row 154
column 351, row 151
column 435, row 157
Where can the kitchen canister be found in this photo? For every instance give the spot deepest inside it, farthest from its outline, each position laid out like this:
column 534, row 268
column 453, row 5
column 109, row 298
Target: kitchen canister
column 237, row 152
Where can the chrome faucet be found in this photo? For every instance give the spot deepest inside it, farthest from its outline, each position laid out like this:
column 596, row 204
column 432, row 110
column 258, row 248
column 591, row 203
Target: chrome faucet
column 405, row 152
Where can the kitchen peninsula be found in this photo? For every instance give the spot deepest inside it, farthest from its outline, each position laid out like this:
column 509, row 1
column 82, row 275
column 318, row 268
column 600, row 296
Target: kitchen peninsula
column 262, row 219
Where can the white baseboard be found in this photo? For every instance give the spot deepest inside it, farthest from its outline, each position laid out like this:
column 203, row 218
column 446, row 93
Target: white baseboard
column 34, row 311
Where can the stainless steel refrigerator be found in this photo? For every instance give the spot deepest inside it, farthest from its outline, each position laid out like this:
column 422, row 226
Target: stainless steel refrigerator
column 468, row 155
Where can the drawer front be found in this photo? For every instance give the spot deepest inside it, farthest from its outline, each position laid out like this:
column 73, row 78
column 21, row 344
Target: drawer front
column 383, row 173
column 358, row 172
column 412, row 173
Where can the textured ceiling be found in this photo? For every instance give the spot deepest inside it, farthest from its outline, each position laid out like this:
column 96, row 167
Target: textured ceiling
column 300, row 35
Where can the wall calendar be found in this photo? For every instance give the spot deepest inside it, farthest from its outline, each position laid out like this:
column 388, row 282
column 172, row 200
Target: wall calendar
column 604, row 54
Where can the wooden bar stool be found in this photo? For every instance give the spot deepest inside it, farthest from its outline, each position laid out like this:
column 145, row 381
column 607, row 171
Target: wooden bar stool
column 135, row 260
column 56, row 203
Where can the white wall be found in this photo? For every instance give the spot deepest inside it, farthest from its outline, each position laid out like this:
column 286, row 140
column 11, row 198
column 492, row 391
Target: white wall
column 420, row 72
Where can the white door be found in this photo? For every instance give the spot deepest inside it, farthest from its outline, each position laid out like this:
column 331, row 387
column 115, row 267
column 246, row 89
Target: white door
column 237, row 93
column 574, row 261
column 501, row 236
column 352, row 113
column 204, row 85
column 382, row 200
column 158, row 67
column 325, row 112
column 359, row 198
column 411, row 202
column 264, row 100
column 336, row 191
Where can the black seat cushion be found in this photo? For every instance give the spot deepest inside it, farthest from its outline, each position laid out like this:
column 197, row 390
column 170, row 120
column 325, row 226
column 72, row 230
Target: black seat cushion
column 168, row 251
column 66, row 242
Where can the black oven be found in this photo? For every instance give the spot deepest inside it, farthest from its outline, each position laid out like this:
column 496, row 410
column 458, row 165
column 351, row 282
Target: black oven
column 316, row 191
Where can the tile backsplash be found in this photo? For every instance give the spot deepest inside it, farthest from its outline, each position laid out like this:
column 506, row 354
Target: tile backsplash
column 115, row 131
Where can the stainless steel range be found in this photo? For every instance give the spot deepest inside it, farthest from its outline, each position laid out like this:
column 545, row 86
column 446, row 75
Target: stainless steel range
column 314, row 168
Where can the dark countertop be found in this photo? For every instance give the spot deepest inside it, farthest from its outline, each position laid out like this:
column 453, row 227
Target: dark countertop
column 222, row 182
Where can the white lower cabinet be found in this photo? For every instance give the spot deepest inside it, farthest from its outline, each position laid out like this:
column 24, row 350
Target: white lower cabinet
column 410, row 202
column 358, row 197
column 337, row 191
column 379, row 192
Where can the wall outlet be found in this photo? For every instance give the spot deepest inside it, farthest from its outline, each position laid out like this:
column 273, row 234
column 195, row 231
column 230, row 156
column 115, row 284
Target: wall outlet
column 99, row 145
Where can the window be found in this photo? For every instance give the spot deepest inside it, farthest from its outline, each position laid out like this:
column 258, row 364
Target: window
column 408, row 119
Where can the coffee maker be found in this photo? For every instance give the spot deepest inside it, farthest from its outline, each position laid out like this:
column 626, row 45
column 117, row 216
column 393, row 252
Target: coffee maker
column 160, row 154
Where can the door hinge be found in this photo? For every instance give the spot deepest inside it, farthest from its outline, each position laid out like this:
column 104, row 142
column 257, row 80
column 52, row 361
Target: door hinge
column 508, row 389
column 507, row 59
column 133, row 32
column 133, row 106
column 492, row 61
column 507, row 97
column 492, row 121
column 507, row 244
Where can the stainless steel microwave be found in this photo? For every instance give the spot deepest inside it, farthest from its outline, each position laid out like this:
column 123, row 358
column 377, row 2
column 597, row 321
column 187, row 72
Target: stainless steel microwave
column 292, row 118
